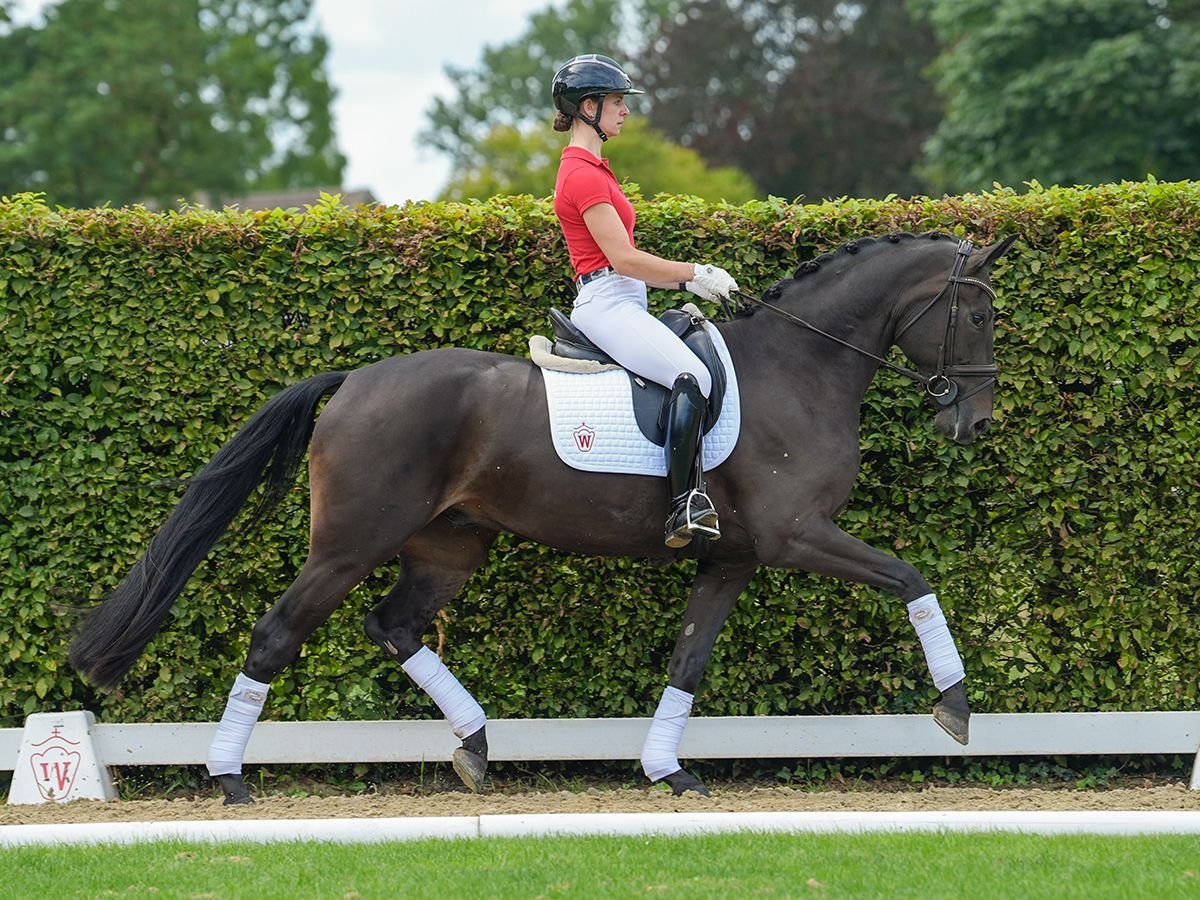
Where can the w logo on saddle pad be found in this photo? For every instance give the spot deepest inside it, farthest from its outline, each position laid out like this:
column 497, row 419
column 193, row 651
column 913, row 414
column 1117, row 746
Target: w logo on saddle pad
column 593, row 422
column 584, row 436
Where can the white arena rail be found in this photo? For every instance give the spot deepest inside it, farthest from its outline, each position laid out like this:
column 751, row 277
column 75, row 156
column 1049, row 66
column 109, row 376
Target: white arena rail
column 732, row 737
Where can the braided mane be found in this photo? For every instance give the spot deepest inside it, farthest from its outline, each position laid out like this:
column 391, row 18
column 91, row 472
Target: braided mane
column 851, row 248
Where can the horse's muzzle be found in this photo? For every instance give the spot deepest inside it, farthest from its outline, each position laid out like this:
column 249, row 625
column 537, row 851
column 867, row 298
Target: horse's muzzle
column 961, row 423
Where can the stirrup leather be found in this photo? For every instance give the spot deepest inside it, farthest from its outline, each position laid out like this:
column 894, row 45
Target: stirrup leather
column 692, row 514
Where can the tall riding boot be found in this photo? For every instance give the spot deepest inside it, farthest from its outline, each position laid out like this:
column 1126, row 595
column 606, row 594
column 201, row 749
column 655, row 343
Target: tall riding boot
column 691, row 510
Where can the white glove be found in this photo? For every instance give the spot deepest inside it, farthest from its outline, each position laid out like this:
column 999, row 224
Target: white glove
column 711, row 282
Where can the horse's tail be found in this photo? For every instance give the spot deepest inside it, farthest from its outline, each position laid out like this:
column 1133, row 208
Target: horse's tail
column 267, row 449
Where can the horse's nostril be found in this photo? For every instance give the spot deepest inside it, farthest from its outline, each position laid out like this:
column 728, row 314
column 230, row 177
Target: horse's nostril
column 982, row 426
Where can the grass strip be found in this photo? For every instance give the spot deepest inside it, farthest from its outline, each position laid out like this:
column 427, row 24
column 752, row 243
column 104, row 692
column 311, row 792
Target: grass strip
column 872, row 865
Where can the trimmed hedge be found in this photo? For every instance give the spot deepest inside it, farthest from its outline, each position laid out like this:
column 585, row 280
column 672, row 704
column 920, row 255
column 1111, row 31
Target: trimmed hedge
column 1061, row 545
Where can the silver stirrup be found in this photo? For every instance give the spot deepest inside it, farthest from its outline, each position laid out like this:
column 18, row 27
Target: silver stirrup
column 695, row 527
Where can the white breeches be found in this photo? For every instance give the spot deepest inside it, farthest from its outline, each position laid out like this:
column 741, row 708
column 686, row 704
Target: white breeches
column 612, row 312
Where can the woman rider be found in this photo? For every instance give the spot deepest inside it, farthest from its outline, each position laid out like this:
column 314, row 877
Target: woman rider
column 612, row 276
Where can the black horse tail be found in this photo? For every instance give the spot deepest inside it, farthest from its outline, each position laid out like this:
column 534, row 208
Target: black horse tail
column 267, row 449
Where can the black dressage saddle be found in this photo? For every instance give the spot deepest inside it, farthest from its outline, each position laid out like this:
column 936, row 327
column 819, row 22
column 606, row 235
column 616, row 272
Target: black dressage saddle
column 649, row 398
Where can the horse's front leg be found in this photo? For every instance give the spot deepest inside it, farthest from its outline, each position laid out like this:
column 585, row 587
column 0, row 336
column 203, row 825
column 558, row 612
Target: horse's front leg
column 714, row 593
column 822, row 548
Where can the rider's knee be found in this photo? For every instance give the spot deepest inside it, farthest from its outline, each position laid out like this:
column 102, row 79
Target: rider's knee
column 688, row 382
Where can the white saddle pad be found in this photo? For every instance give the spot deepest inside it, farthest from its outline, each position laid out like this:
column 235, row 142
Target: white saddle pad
column 593, row 427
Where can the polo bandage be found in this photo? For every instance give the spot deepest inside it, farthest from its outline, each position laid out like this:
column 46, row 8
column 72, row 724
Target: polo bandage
column 242, row 710
column 940, row 653
column 431, row 675
column 660, row 751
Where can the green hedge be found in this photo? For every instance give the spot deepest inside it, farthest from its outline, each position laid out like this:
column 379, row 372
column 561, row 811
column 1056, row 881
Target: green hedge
column 1062, row 545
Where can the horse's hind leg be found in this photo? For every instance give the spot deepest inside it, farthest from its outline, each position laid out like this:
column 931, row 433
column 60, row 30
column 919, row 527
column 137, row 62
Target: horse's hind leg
column 436, row 562
column 322, row 585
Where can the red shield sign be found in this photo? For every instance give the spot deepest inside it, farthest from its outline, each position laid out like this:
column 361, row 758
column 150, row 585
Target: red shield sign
column 55, row 766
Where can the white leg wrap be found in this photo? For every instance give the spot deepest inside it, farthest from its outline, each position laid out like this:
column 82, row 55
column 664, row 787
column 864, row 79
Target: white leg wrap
column 228, row 747
column 431, row 675
column 660, row 751
column 940, row 653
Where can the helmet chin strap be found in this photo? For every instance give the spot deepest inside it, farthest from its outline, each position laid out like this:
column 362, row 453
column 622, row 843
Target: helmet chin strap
column 595, row 122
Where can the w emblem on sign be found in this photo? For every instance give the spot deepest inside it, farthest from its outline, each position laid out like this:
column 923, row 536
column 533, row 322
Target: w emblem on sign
column 585, row 437
column 55, row 766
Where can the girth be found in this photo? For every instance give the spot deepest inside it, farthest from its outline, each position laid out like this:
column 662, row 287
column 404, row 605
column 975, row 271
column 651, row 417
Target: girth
column 650, row 399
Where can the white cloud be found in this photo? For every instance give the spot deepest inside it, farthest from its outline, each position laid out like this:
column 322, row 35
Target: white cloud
column 387, row 61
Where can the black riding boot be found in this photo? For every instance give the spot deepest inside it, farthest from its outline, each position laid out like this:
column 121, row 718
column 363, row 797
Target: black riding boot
column 691, row 510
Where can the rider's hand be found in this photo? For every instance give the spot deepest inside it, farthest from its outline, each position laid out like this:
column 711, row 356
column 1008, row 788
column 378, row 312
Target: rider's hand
column 702, row 292
column 711, row 282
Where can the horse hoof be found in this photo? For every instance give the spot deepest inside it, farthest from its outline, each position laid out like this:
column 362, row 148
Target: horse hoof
column 235, row 790
column 953, row 713
column 681, row 782
column 470, row 767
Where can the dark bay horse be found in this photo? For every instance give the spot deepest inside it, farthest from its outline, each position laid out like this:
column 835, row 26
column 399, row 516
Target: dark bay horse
column 427, row 457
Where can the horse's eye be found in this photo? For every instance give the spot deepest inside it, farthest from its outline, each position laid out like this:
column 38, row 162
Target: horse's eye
column 979, row 319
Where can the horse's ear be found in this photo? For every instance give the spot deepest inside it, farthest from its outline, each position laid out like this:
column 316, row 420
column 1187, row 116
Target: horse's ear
column 985, row 256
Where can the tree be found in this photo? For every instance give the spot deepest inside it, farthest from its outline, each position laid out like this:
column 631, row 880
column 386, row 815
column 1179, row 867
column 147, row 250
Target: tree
column 1065, row 91
column 526, row 163
column 135, row 100
column 815, row 97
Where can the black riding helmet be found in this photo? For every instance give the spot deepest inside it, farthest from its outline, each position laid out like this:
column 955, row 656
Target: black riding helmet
column 590, row 75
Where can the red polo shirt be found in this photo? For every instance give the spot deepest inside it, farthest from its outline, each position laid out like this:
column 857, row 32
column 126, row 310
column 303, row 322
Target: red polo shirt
column 583, row 181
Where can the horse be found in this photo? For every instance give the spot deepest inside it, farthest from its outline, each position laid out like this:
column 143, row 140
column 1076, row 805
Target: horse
column 426, row 457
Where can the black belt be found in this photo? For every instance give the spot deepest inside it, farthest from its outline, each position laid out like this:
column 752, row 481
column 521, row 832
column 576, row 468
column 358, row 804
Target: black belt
column 593, row 275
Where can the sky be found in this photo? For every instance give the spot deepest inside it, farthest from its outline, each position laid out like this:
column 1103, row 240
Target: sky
column 386, row 61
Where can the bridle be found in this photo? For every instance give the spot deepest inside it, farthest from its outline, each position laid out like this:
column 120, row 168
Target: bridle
column 940, row 386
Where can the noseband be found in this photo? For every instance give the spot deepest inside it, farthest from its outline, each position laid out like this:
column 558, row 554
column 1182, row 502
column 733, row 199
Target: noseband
column 940, row 386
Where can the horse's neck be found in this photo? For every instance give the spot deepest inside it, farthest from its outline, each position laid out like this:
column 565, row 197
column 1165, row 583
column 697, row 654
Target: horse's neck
column 779, row 346
column 791, row 360
column 859, row 312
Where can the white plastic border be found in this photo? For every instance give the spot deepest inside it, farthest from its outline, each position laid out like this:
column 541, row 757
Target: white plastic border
column 734, row 737
column 707, row 737
column 347, row 831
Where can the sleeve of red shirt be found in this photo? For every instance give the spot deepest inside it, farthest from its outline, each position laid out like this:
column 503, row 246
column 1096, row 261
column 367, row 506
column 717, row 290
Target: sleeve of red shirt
column 587, row 186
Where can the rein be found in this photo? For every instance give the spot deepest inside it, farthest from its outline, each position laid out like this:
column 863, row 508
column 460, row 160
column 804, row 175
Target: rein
column 940, row 386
